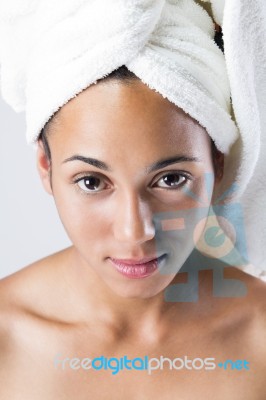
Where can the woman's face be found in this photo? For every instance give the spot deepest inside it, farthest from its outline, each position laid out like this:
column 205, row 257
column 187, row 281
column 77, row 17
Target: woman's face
column 132, row 175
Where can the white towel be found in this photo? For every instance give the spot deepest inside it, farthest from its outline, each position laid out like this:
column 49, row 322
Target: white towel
column 244, row 33
column 50, row 51
column 244, row 29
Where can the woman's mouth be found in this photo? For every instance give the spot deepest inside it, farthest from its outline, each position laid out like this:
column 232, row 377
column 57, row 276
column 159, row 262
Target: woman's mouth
column 136, row 269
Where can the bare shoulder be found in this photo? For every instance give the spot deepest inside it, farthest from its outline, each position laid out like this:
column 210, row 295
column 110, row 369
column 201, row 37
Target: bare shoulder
column 255, row 290
column 25, row 282
column 27, row 292
column 256, row 295
column 254, row 306
column 250, row 308
column 27, row 326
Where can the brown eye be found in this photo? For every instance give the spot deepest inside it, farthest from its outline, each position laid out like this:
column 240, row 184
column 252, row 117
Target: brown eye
column 90, row 184
column 172, row 180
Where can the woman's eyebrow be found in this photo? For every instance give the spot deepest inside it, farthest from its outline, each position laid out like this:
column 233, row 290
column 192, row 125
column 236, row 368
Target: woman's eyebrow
column 151, row 168
column 92, row 161
column 168, row 161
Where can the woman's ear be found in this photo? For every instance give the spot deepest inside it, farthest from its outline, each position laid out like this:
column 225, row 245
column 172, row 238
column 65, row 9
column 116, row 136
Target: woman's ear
column 44, row 168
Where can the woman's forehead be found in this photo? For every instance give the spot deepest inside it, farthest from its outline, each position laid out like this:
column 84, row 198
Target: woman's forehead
column 114, row 110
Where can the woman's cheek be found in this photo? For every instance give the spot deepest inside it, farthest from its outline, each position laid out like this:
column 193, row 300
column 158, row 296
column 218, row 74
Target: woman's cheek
column 85, row 219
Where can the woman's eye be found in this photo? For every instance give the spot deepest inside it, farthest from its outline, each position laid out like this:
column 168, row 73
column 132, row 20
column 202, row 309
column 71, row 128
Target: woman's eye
column 172, row 180
column 89, row 184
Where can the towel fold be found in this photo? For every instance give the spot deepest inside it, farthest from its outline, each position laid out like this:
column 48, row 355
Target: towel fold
column 168, row 44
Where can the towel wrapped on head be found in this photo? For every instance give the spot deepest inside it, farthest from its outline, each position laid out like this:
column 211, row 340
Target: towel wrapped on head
column 168, row 44
column 49, row 53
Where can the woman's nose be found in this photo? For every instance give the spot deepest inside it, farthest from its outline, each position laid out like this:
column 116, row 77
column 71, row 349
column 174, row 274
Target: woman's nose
column 133, row 221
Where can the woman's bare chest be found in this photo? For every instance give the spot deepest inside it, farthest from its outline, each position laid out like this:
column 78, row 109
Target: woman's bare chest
column 194, row 363
column 163, row 382
column 181, row 368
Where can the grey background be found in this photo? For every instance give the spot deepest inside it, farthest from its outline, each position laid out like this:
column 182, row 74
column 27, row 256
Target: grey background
column 30, row 228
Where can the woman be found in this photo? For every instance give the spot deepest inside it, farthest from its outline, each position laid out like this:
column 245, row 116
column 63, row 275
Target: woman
column 122, row 163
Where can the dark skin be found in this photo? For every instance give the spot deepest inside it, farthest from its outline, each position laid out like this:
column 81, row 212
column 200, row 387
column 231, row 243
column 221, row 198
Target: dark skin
column 76, row 304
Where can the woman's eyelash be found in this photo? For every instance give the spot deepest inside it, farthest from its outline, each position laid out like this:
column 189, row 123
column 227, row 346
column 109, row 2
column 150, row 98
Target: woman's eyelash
column 184, row 175
column 94, row 179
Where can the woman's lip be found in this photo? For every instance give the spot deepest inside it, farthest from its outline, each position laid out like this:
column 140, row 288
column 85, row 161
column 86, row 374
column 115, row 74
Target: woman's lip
column 137, row 271
column 134, row 261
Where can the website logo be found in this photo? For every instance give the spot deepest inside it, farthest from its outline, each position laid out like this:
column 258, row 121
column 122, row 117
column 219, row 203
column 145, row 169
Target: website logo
column 203, row 237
